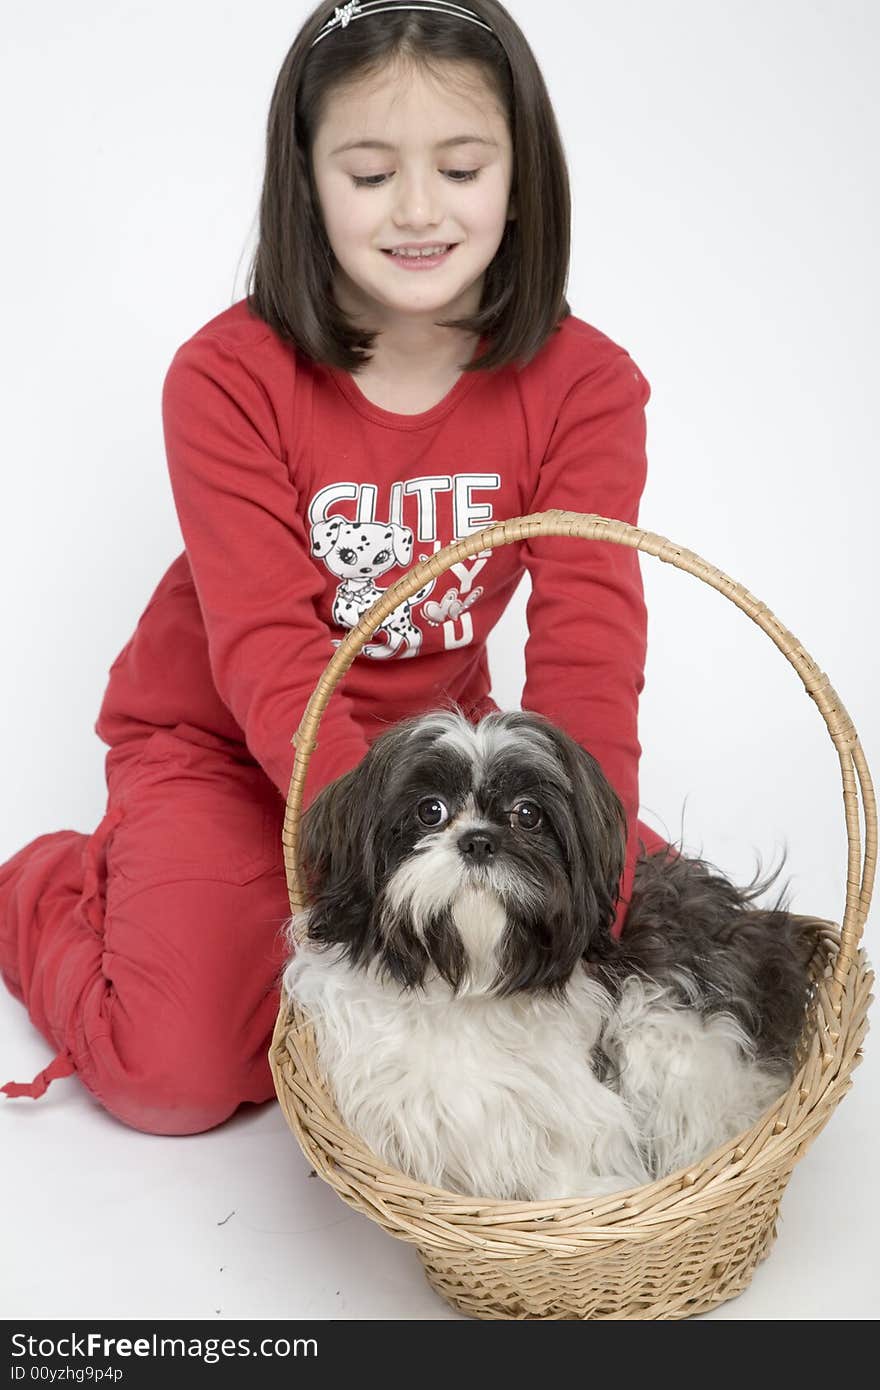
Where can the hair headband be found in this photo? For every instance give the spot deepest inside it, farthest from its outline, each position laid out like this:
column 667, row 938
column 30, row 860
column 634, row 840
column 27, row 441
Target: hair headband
column 344, row 14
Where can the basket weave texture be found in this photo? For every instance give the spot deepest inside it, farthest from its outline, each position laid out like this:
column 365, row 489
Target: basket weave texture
column 669, row 1249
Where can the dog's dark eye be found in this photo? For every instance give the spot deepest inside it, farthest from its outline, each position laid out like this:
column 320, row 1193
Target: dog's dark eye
column 382, row 557
column 526, row 815
column 432, row 811
column 347, row 555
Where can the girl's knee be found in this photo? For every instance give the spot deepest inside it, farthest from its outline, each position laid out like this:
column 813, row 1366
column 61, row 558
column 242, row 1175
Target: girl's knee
column 171, row 1113
column 178, row 1038
column 167, row 1093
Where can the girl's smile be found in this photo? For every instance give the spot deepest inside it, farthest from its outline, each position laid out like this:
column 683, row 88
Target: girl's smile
column 419, row 260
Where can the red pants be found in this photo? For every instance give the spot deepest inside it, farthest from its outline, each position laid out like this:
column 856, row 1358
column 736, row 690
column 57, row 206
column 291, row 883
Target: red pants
column 149, row 953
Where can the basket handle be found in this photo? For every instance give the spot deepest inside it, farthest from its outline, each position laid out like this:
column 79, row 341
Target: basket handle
column 860, row 872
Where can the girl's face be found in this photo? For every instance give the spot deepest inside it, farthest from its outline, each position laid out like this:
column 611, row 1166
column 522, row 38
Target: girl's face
column 403, row 179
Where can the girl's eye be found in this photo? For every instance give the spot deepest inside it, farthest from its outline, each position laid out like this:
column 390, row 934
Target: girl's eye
column 526, row 815
column 456, row 175
column 432, row 811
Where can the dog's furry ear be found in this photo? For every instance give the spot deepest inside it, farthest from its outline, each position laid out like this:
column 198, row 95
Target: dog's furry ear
column 339, row 847
column 594, row 834
column 339, row 826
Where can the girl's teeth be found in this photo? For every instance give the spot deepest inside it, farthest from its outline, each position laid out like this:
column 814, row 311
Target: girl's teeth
column 430, row 251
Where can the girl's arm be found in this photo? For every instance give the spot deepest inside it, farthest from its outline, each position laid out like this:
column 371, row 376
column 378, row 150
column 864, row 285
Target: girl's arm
column 587, row 620
column 249, row 556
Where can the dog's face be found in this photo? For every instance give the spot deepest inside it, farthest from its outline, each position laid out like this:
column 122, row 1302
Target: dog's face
column 492, row 853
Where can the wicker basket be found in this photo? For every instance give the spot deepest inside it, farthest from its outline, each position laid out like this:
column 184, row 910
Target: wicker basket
column 667, row 1250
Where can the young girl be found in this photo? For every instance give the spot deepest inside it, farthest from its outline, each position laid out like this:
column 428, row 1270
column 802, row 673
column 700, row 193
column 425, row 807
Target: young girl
column 404, row 371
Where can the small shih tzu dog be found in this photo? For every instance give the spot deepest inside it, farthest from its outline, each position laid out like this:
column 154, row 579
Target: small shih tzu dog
column 477, row 1024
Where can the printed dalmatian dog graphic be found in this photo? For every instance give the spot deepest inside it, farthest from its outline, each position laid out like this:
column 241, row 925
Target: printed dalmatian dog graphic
column 358, row 552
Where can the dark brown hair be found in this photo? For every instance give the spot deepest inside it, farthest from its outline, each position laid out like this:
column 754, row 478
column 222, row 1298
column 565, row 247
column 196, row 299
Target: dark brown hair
column 289, row 283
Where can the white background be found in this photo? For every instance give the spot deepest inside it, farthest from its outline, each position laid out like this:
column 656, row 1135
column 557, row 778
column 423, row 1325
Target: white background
column 723, row 162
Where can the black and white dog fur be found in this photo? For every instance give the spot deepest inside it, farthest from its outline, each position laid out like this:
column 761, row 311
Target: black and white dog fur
column 477, row 1024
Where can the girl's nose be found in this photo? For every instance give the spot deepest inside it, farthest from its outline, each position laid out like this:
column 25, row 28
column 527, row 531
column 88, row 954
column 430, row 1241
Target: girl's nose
column 416, row 200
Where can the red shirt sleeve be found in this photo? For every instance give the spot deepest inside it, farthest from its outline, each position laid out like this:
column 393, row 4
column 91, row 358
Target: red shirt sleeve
column 587, row 620
column 249, row 556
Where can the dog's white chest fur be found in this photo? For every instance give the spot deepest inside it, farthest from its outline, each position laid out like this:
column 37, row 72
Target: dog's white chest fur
column 480, row 1095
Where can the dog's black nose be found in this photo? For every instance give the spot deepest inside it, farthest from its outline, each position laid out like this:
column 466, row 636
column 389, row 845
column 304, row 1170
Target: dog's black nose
column 477, row 845
column 365, row 569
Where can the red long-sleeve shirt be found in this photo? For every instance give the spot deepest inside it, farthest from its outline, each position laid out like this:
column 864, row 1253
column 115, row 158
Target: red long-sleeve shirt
column 273, row 459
